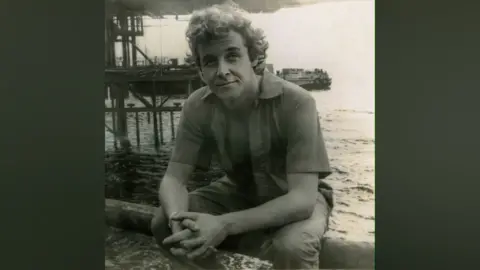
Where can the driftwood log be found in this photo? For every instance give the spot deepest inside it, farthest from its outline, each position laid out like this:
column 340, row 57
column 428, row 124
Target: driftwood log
column 130, row 250
column 336, row 253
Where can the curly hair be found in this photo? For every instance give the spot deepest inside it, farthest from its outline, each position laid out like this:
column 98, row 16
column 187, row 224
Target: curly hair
column 216, row 21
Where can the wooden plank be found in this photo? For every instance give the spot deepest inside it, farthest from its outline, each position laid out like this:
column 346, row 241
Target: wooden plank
column 166, row 68
column 172, row 125
column 155, row 123
column 139, row 97
column 114, row 119
column 163, row 102
column 136, row 77
column 121, row 112
column 137, row 127
column 159, row 8
column 157, row 109
column 132, row 42
column 111, row 130
column 160, row 124
column 143, row 54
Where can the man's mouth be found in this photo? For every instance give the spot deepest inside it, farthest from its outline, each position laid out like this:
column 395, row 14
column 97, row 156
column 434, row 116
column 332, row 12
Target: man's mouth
column 223, row 84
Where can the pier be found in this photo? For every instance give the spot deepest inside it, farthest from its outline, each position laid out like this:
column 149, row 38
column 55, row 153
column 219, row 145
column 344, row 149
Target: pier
column 150, row 83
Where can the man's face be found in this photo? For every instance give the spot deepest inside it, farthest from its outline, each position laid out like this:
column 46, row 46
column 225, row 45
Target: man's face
column 226, row 67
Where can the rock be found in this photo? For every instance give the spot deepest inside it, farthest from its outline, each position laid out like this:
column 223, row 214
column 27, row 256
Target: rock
column 343, row 254
column 336, row 253
column 109, row 263
column 131, row 250
column 129, row 216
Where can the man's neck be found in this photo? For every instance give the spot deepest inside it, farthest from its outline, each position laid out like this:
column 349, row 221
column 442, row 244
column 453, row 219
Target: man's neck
column 242, row 107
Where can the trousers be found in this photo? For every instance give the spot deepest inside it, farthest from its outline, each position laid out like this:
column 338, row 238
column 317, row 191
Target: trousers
column 293, row 246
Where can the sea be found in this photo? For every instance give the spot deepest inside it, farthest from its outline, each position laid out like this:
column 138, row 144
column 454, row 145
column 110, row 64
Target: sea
column 337, row 36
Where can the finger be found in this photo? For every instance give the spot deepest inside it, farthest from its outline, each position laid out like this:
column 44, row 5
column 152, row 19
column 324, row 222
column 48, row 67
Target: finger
column 176, row 227
column 184, row 215
column 190, row 224
column 178, row 252
column 208, row 253
column 177, row 237
column 197, row 252
column 192, row 243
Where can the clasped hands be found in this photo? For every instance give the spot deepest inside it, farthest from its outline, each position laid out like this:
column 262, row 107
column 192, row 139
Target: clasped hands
column 195, row 235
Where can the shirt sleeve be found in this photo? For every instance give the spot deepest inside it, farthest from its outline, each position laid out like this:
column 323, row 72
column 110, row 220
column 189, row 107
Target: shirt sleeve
column 190, row 142
column 306, row 152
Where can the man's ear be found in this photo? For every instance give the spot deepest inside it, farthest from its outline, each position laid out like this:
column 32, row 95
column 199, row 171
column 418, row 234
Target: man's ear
column 255, row 63
column 258, row 65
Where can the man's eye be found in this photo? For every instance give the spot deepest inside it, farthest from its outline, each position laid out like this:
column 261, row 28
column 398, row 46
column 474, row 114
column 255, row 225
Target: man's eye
column 233, row 56
column 208, row 63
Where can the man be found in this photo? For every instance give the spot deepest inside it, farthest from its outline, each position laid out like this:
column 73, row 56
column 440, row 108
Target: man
column 272, row 203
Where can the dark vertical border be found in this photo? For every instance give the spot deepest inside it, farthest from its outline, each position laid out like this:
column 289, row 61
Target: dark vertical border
column 427, row 135
column 52, row 135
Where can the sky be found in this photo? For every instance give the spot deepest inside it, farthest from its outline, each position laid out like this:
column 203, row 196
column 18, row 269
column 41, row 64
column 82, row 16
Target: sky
column 335, row 36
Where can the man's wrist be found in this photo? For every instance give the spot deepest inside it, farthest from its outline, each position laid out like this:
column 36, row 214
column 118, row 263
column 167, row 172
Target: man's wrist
column 170, row 221
column 227, row 223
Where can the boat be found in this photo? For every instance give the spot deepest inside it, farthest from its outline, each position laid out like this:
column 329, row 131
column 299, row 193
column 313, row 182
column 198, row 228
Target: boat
column 316, row 79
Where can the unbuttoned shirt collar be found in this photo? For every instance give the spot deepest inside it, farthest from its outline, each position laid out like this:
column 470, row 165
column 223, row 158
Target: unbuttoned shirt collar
column 270, row 87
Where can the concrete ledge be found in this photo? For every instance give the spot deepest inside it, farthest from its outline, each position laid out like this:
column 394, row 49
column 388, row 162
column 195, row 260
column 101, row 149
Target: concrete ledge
column 336, row 253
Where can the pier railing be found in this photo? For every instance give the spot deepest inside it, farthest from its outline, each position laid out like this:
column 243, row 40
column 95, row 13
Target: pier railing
column 120, row 115
column 155, row 117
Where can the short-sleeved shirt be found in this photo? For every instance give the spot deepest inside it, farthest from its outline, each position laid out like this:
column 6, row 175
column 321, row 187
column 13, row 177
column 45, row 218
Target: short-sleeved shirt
column 284, row 136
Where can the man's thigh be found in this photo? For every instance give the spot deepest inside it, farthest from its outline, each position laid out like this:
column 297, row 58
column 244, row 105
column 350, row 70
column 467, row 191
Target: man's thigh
column 315, row 226
column 217, row 198
column 220, row 197
column 296, row 234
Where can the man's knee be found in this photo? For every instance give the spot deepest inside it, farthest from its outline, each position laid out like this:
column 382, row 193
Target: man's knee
column 159, row 225
column 303, row 239
column 297, row 245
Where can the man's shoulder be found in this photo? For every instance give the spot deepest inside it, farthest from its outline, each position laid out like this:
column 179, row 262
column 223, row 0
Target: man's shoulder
column 291, row 93
column 196, row 100
column 294, row 95
column 195, row 108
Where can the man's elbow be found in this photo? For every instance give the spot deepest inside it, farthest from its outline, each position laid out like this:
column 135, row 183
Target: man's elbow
column 171, row 183
column 304, row 206
column 176, row 175
column 307, row 209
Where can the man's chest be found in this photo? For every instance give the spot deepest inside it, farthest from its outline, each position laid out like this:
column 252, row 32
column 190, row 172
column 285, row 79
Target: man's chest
column 258, row 137
column 237, row 131
column 237, row 139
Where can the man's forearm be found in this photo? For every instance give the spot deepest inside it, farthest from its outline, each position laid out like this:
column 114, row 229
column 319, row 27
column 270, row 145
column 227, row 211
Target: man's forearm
column 285, row 209
column 173, row 196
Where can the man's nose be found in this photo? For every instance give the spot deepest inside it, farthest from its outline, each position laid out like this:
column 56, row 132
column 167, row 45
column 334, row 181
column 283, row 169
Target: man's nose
column 223, row 69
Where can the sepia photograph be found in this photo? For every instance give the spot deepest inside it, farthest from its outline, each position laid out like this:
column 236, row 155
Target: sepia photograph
column 239, row 134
